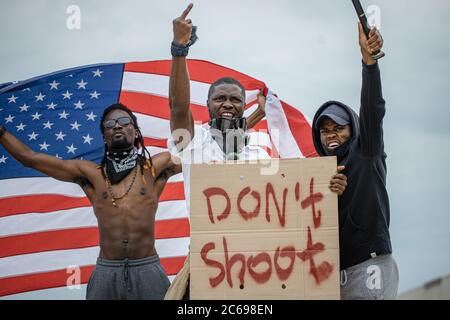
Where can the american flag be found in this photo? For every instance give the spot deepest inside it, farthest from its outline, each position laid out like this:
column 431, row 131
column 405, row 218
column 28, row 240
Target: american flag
column 47, row 226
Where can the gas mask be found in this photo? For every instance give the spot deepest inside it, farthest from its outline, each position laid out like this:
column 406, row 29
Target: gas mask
column 231, row 135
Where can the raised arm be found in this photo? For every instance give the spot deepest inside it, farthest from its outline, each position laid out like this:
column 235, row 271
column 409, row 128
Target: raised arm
column 64, row 170
column 372, row 109
column 181, row 120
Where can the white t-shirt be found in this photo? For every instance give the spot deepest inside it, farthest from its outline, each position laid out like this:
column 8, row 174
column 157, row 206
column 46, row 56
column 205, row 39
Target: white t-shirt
column 204, row 149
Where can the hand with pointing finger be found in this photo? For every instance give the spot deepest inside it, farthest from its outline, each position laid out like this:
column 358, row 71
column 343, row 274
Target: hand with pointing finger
column 182, row 28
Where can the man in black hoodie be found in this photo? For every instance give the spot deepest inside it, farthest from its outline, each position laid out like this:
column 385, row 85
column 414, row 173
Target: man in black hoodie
column 368, row 270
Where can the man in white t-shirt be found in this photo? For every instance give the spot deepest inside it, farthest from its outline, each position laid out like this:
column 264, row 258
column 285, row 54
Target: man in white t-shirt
column 225, row 138
column 206, row 146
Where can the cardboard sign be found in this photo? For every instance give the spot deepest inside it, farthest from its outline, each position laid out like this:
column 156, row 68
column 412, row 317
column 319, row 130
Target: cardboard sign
column 264, row 237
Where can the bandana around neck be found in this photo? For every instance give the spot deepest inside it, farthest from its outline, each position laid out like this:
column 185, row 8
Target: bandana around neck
column 120, row 163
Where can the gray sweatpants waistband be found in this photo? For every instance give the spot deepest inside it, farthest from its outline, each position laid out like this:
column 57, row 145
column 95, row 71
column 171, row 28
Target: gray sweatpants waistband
column 128, row 279
column 126, row 265
column 126, row 262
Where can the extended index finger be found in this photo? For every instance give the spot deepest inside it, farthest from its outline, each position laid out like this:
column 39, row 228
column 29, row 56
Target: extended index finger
column 186, row 12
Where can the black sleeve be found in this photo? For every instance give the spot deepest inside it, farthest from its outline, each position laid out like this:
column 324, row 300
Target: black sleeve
column 372, row 112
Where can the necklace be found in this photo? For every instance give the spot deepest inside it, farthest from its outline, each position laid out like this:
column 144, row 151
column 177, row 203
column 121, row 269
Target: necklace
column 113, row 197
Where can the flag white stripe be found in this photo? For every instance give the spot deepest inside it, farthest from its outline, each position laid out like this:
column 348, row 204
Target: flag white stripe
column 250, row 110
column 168, row 210
column 76, row 218
column 37, row 222
column 251, row 95
column 62, row 259
column 58, row 293
column 47, row 261
column 152, row 127
column 38, row 186
column 260, row 139
column 158, row 85
column 176, row 247
column 46, row 186
column 279, row 129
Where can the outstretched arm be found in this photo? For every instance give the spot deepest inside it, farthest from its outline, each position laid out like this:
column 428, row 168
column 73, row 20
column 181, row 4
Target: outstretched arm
column 181, row 120
column 64, row 170
column 373, row 108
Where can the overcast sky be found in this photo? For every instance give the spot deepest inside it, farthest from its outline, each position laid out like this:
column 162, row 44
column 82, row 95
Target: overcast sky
column 305, row 51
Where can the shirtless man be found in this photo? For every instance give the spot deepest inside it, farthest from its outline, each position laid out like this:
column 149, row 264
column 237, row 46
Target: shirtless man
column 124, row 191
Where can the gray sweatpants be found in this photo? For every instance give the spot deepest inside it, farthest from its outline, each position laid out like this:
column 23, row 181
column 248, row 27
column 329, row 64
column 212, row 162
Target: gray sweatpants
column 142, row 279
column 374, row 279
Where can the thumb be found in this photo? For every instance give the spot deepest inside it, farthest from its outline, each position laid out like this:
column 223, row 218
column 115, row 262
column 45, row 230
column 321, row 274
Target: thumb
column 340, row 168
column 362, row 36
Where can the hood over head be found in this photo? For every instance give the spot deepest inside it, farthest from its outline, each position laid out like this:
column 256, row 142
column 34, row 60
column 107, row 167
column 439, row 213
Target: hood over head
column 341, row 114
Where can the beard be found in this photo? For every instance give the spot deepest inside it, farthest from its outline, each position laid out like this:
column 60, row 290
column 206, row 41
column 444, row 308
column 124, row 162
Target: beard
column 120, row 143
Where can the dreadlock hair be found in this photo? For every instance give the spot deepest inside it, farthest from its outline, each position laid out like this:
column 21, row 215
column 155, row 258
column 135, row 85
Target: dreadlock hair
column 138, row 143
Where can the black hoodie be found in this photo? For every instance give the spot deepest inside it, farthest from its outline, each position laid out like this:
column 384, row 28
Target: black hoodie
column 364, row 206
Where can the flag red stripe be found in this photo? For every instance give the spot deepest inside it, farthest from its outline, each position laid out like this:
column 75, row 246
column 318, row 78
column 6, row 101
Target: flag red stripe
column 79, row 238
column 172, row 265
column 152, row 142
column 40, row 281
column 49, row 203
column 58, row 278
column 40, row 204
column 176, row 228
column 155, row 106
column 261, row 126
column 201, row 71
column 301, row 130
column 49, row 241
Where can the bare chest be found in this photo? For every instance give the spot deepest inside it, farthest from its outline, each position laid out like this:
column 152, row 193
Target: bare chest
column 134, row 196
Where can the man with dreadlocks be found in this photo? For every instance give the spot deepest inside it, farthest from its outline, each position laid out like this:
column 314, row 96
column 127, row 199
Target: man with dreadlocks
column 124, row 191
